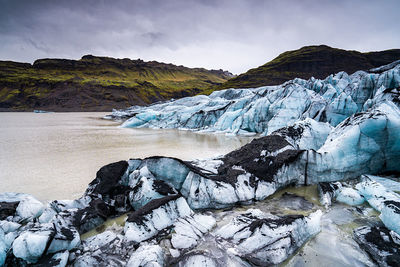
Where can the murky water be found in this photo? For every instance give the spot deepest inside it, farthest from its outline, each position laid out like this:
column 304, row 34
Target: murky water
column 55, row 155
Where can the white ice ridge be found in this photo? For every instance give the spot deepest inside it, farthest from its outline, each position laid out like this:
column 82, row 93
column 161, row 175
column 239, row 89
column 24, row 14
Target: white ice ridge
column 266, row 109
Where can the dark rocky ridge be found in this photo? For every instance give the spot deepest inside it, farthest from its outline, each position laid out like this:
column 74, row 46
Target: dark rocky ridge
column 310, row 61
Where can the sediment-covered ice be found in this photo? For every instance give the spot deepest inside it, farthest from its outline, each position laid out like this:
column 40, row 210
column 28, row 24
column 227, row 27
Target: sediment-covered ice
column 264, row 239
column 42, row 239
column 159, row 193
column 31, row 245
column 383, row 199
column 390, row 215
column 375, row 193
column 190, row 229
column 380, row 197
column 147, row 255
column 154, row 217
column 307, row 152
column 387, row 182
column 3, row 247
column 20, row 206
column 327, row 192
column 381, row 243
column 306, row 134
column 104, row 249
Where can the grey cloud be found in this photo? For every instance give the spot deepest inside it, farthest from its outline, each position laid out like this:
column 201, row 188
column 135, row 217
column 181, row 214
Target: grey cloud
column 229, row 34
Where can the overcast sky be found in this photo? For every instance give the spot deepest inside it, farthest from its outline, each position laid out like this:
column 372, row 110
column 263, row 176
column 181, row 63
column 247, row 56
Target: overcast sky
column 234, row 35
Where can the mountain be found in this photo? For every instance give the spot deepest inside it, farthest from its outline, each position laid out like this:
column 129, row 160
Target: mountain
column 310, row 61
column 98, row 83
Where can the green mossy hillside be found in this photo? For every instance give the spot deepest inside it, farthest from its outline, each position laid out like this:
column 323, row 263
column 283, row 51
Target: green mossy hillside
column 98, row 83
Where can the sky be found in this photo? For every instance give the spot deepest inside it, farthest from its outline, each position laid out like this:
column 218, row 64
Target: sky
column 233, row 35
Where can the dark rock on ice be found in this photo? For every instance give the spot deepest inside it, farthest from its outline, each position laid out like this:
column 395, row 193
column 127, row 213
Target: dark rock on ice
column 137, row 216
column 382, row 244
column 26, row 207
column 190, row 229
column 255, row 158
column 84, row 219
column 56, row 260
column 101, row 208
column 38, row 240
column 108, row 177
column 8, row 209
column 105, row 249
column 327, row 192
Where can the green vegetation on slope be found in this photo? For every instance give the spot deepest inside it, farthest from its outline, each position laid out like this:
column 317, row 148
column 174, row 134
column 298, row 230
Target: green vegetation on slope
column 310, row 61
column 98, row 83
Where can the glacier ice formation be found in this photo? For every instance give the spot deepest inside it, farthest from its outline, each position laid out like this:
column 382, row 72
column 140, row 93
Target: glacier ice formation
column 326, row 132
column 266, row 109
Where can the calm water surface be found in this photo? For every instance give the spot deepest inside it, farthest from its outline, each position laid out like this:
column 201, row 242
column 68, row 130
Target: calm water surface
column 55, row 155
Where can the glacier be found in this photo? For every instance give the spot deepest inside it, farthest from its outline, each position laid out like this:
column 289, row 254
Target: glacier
column 266, row 109
column 338, row 136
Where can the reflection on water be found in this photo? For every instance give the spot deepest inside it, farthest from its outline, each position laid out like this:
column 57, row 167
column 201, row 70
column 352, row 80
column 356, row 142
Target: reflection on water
column 55, row 155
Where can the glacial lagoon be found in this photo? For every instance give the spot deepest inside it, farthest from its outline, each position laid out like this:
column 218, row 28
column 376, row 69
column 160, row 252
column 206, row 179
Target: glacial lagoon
column 55, row 155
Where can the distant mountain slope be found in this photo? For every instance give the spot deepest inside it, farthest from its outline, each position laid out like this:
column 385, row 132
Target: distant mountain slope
column 310, row 61
column 98, row 83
